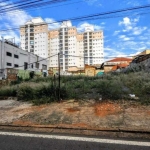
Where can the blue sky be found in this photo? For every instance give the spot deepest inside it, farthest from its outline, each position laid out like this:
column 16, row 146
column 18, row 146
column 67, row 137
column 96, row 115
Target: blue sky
column 124, row 34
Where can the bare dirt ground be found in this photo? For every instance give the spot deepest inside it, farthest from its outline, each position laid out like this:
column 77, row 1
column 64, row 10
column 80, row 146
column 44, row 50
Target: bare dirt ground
column 81, row 114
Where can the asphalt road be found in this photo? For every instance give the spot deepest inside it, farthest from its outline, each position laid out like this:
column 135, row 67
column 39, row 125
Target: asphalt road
column 31, row 141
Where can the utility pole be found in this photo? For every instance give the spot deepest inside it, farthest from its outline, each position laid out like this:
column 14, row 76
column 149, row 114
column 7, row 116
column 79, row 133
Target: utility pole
column 58, row 77
column 1, row 56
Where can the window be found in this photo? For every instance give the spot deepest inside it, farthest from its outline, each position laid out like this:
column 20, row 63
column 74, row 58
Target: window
column 8, row 64
column 25, row 65
column 37, row 65
column 8, row 54
column 16, row 56
column 44, row 67
column 31, row 65
column 16, row 65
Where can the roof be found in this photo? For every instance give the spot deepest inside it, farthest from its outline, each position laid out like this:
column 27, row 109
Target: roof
column 120, row 59
column 119, row 66
column 37, row 20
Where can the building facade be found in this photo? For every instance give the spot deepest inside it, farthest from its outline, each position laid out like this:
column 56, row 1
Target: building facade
column 116, row 63
column 34, row 37
column 14, row 57
column 76, row 49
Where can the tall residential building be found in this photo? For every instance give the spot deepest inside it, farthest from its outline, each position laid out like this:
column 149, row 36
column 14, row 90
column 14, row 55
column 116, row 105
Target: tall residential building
column 76, row 49
column 93, row 46
column 34, row 37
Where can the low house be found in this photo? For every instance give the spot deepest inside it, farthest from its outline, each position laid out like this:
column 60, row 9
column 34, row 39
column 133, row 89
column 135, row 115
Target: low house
column 116, row 63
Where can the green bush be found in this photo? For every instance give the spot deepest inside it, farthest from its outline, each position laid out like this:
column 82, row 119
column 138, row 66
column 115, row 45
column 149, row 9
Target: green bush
column 25, row 93
column 8, row 91
column 110, row 86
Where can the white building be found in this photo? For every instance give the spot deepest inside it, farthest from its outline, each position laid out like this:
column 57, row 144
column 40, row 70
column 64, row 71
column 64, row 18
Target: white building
column 13, row 57
column 34, row 37
column 76, row 49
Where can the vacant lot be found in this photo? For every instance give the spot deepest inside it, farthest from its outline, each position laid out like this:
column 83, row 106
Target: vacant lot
column 81, row 114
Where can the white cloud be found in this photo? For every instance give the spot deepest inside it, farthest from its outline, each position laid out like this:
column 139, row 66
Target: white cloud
column 82, row 26
column 17, row 18
column 116, row 32
column 122, row 36
column 110, row 53
column 138, row 30
column 103, row 23
column 130, row 25
column 125, row 38
column 94, row 2
column 52, row 23
column 126, row 21
column 12, row 20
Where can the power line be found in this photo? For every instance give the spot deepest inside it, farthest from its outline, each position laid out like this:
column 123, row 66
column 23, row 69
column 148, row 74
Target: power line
column 92, row 16
column 32, row 62
column 16, row 11
column 36, row 3
column 95, row 57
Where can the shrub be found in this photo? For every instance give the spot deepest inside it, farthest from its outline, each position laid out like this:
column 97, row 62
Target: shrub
column 25, row 93
column 8, row 91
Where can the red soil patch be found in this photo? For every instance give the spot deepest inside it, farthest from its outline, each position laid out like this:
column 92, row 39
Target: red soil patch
column 74, row 109
column 148, row 112
column 104, row 109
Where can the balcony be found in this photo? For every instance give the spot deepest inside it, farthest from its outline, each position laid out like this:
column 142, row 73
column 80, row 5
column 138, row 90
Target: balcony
column 32, row 50
column 60, row 33
column 31, row 30
column 31, row 34
column 31, row 38
column 61, row 30
column 66, row 52
column 90, row 33
column 85, row 34
column 60, row 40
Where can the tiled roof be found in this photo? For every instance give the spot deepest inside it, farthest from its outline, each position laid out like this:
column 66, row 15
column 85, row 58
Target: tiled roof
column 119, row 66
column 120, row 59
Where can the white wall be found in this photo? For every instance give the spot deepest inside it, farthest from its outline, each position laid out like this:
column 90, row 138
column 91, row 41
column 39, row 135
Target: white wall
column 23, row 57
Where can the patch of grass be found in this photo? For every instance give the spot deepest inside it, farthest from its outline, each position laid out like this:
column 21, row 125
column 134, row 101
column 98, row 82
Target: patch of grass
column 110, row 86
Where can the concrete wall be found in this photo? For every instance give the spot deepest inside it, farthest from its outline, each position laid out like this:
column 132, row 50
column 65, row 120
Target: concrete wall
column 14, row 57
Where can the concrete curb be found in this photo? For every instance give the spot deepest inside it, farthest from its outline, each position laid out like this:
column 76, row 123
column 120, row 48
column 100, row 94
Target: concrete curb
column 104, row 132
